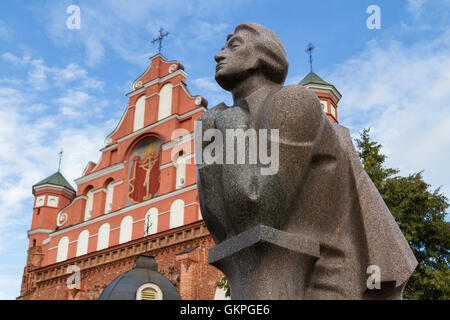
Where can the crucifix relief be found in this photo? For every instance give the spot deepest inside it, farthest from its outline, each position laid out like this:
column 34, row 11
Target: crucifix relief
column 160, row 39
column 143, row 182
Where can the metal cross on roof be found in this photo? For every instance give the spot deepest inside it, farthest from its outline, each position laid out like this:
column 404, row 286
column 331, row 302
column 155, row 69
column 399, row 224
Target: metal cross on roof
column 160, row 38
column 148, row 224
column 60, row 158
column 309, row 50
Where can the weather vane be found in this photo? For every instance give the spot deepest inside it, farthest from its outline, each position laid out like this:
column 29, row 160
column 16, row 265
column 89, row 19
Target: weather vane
column 160, row 38
column 309, row 50
column 60, row 158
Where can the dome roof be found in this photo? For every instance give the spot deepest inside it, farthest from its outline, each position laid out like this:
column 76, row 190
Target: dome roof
column 56, row 179
column 144, row 271
column 312, row 78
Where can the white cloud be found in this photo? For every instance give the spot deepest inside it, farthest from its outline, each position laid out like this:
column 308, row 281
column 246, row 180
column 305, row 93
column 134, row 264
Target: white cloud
column 94, row 50
column 37, row 76
column 416, row 6
column 34, row 125
column 127, row 27
column 9, row 57
column 207, row 83
column 9, row 279
column 74, row 98
column 42, row 77
column 402, row 92
column 70, row 73
column 5, row 31
column 212, row 91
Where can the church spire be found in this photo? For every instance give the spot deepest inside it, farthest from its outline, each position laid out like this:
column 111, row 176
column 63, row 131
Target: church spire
column 60, row 158
column 328, row 95
column 310, row 50
column 160, row 39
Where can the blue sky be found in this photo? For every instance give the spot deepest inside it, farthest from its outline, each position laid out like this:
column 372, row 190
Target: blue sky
column 62, row 88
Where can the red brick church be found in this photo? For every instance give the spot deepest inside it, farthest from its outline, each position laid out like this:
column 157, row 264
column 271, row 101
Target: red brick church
column 139, row 198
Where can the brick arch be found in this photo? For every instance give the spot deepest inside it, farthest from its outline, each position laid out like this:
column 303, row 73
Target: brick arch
column 87, row 189
column 107, row 181
column 165, row 102
column 139, row 112
column 176, row 213
column 126, row 229
column 63, row 248
column 89, row 204
column 180, row 167
column 103, row 236
column 109, row 194
column 136, row 141
column 82, row 243
column 136, row 98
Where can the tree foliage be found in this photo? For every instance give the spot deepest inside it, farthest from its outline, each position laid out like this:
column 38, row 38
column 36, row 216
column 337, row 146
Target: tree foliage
column 224, row 285
column 420, row 214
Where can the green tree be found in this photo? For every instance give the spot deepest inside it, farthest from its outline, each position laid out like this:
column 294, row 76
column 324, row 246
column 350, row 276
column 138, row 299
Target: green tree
column 223, row 284
column 420, row 214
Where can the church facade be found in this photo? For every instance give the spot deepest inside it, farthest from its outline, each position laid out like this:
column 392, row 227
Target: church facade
column 139, row 198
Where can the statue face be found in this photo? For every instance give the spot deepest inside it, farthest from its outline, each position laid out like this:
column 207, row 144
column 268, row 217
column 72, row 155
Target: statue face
column 236, row 59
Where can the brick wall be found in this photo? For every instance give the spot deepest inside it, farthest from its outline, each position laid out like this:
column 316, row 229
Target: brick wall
column 190, row 273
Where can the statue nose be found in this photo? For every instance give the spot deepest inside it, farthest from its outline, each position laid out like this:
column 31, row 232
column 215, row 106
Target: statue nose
column 219, row 57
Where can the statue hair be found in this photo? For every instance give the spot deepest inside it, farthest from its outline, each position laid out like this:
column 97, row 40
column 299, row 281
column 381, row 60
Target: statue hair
column 272, row 55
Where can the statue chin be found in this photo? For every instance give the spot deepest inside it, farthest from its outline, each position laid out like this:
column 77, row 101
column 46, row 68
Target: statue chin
column 225, row 81
column 232, row 79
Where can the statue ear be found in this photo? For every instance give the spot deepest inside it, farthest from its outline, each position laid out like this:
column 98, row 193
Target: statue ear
column 256, row 63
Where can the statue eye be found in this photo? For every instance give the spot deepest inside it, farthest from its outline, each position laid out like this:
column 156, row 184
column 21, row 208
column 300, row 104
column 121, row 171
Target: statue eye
column 233, row 44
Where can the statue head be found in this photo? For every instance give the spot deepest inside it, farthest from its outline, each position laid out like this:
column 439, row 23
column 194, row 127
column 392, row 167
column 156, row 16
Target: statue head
column 250, row 49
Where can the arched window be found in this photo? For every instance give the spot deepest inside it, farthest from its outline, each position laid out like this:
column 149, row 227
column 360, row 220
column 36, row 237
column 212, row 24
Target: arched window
column 83, row 241
column 139, row 113
column 176, row 214
column 165, row 102
column 333, row 111
column 181, row 171
column 126, row 229
column 63, row 247
column 149, row 291
column 109, row 197
column 144, row 171
column 89, row 204
column 103, row 236
column 151, row 222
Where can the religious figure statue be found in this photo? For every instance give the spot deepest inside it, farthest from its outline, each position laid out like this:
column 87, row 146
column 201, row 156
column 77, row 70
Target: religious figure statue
column 316, row 227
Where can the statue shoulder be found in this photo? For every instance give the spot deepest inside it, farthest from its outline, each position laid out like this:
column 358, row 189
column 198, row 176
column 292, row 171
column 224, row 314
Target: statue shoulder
column 209, row 116
column 297, row 98
column 296, row 111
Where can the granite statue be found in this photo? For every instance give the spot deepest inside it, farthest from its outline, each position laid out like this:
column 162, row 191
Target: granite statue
column 315, row 227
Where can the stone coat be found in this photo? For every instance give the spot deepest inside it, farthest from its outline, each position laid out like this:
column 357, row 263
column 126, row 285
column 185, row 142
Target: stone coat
column 320, row 192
